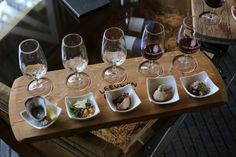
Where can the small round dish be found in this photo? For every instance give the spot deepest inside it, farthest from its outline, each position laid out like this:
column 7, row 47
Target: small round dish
column 69, row 101
column 53, row 113
column 154, row 83
column 113, row 94
column 203, row 77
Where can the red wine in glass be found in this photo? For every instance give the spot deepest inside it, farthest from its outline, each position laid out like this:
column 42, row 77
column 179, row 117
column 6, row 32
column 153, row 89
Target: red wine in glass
column 215, row 3
column 152, row 52
column 188, row 45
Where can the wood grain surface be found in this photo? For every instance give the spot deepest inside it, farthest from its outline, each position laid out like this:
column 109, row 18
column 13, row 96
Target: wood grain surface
column 65, row 126
column 223, row 33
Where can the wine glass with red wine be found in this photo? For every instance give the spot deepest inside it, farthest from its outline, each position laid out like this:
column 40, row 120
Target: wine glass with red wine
column 210, row 17
column 188, row 42
column 152, row 48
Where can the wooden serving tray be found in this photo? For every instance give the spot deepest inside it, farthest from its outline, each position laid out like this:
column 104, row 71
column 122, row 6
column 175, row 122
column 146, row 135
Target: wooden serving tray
column 223, row 33
column 147, row 110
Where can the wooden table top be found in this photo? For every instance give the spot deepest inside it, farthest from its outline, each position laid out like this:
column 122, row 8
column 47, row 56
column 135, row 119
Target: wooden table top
column 223, row 33
column 65, row 126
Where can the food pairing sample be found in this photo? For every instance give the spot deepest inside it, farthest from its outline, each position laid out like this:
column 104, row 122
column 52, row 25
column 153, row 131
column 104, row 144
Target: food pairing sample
column 123, row 99
column 81, row 107
column 199, row 85
column 162, row 90
column 40, row 113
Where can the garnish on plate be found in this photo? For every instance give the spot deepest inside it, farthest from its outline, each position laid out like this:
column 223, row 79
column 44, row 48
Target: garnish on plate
column 50, row 113
column 81, row 108
column 122, row 102
column 163, row 93
column 198, row 88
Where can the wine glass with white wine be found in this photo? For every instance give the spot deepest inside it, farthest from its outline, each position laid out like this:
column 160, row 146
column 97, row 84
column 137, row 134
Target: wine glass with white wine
column 74, row 58
column 33, row 64
column 114, row 53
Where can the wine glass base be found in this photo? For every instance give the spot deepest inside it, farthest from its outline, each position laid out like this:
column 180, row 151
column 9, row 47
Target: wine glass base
column 210, row 18
column 80, row 82
column 114, row 77
column 41, row 87
column 148, row 69
column 185, row 64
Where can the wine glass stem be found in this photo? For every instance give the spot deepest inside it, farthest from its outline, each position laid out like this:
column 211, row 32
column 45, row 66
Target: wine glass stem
column 212, row 12
column 37, row 83
column 77, row 75
column 185, row 60
column 150, row 65
column 114, row 70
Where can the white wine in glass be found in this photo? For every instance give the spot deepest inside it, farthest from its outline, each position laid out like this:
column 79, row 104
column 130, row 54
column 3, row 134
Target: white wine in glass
column 33, row 64
column 114, row 53
column 74, row 58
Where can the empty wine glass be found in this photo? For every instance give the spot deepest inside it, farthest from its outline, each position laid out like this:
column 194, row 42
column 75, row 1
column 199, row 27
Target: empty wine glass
column 152, row 46
column 114, row 52
column 74, row 58
column 211, row 17
column 188, row 42
column 33, row 64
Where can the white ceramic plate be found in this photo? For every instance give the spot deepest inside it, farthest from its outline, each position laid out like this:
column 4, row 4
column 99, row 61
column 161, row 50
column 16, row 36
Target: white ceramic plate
column 44, row 123
column 202, row 76
column 90, row 98
column 153, row 83
column 113, row 94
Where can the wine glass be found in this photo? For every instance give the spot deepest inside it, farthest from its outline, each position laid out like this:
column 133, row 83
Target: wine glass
column 210, row 17
column 74, row 57
column 152, row 48
column 114, row 53
column 33, row 64
column 188, row 42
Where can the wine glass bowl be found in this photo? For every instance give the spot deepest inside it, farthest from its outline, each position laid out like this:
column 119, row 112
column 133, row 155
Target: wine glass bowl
column 215, row 3
column 188, row 42
column 74, row 58
column 152, row 48
column 211, row 17
column 33, row 64
column 114, row 53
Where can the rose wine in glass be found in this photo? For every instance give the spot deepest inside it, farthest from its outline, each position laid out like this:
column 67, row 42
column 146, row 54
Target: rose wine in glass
column 33, row 64
column 210, row 17
column 74, row 58
column 114, row 53
column 152, row 48
column 188, row 43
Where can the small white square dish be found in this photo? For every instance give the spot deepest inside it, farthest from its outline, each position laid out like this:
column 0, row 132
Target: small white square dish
column 162, row 90
column 199, row 85
column 81, row 107
column 123, row 99
column 53, row 113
